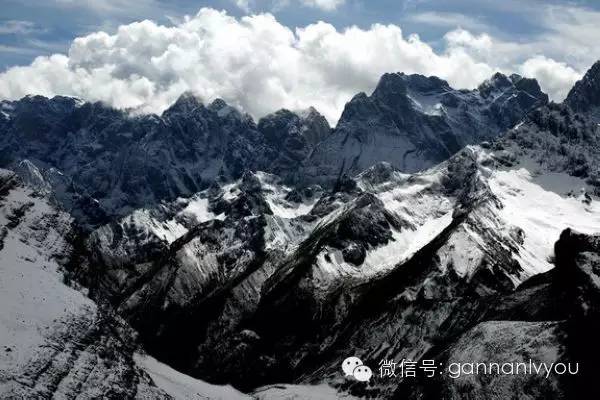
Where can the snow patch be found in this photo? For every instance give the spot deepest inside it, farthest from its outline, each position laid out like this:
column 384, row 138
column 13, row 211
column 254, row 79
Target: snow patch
column 541, row 205
column 300, row 392
column 35, row 302
column 184, row 387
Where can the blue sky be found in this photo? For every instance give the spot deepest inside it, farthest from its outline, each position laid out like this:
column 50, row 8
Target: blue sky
column 29, row 28
column 462, row 41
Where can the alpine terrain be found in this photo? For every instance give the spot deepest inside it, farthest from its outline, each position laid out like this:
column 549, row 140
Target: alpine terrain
column 202, row 254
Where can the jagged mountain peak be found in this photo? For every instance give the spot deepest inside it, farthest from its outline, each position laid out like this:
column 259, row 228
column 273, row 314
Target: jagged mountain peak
column 513, row 84
column 355, row 107
column 529, row 85
column 497, row 82
column 514, row 77
column 410, row 121
column 186, row 102
column 315, row 126
column 48, row 107
column 390, row 84
column 381, row 173
column 498, row 79
column 32, row 176
column 585, row 95
column 250, row 182
column 389, row 264
column 282, row 116
column 218, row 104
column 414, row 122
column 310, row 111
column 283, row 127
column 394, row 83
column 226, row 111
column 41, row 101
column 422, row 83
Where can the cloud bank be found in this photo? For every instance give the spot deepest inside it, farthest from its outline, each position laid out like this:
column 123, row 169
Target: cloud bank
column 260, row 65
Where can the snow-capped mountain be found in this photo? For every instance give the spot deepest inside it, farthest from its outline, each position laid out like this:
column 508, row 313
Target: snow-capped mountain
column 103, row 163
column 261, row 255
column 56, row 342
column 385, row 247
column 415, row 122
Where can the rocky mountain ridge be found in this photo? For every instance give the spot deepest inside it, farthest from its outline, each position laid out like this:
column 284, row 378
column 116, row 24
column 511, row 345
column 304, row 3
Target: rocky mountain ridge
column 103, row 163
column 415, row 122
column 258, row 278
column 584, row 97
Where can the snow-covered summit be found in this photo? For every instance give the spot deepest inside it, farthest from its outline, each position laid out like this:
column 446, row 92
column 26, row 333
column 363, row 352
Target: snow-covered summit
column 414, row 122
column 205, row 239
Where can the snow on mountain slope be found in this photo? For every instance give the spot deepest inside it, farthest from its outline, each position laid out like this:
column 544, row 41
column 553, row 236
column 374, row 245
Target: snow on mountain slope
column 509, row 342
column 530, row 201
column 482, row 222
column 55, row 341
column 430, row 244
column 421, row 215
column 193, row 211
column 415, row 122
column 475, row 221
column 543, row 204
column 184, row 387
column 412, row 197
column 34, row 298
column 155, row 229
column 527, row 208
column 213, row 269
column 300, row 392
column 278, row 197
column 252, row 278
column 112, row 163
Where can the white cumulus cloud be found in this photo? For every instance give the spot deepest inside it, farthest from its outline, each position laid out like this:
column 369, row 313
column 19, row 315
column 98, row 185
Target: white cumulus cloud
column 260, row 65
column 556, row 77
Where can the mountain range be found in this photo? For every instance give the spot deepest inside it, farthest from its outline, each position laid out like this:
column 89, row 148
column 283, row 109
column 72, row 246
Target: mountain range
column 144, row 256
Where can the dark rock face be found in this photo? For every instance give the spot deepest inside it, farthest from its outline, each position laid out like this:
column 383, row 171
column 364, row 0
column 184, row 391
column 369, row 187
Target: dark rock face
column 354, row 253
column 584, row 97
column 578, row 264
column 284, row 132
column 414, row 122
column 577, row 267
column 282, row 125
column 188, row 295
column 55, row 341
column 243, row 277
column 351, row 285
column 122, row 162
column 561, row 139
column 551, row 318
column 315, row 127
column 104, row 163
